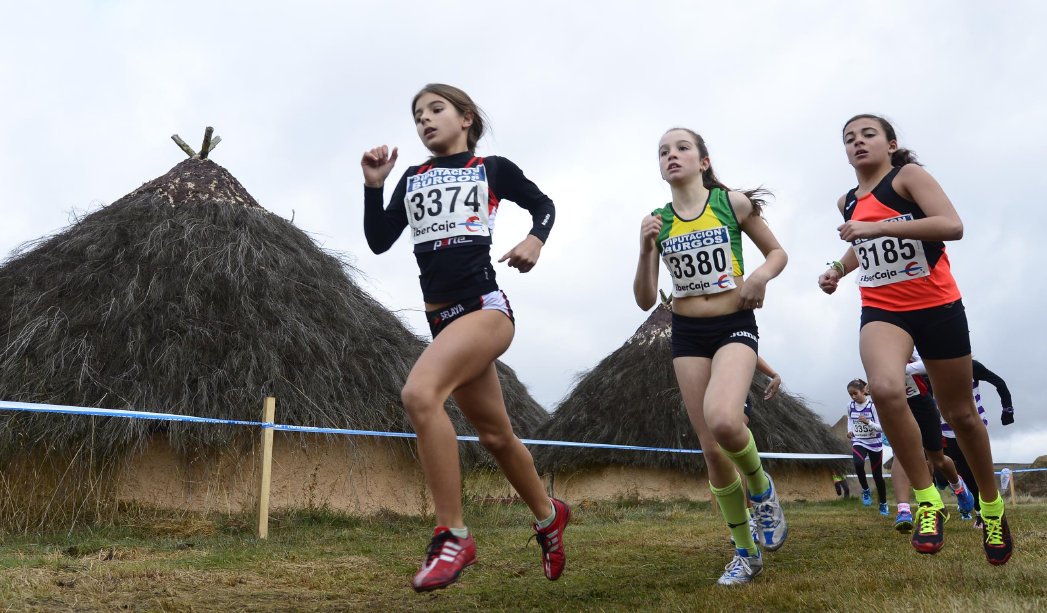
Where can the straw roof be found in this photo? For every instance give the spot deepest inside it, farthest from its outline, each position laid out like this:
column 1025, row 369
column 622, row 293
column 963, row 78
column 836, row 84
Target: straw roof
column 839, row 429
column 631, row 398
column 186, row 296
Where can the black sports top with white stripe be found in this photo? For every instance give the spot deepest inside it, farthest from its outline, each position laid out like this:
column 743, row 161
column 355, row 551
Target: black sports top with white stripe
column 451, row 204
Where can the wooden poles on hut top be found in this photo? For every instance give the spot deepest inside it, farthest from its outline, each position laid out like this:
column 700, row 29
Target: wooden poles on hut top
column 205, row 149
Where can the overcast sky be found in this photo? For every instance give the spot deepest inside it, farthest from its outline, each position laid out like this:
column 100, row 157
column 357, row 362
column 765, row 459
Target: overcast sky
column 578, row 94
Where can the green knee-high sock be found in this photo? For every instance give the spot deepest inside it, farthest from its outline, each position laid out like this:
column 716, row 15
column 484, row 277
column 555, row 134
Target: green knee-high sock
column 732, row 506
column 748, row 460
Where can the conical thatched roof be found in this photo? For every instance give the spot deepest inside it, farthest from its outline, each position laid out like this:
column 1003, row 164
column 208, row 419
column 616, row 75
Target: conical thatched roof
column 186, row 296
column 839, row 429
column 631, row 398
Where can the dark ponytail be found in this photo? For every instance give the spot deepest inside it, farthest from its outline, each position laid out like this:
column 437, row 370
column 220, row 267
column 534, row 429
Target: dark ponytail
column 757, row 196
column 901, row 157
column 857, row 384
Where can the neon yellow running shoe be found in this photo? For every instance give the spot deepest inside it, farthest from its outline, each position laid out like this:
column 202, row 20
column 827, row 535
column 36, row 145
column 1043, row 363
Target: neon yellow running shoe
column 996, row 538
column 929, row 535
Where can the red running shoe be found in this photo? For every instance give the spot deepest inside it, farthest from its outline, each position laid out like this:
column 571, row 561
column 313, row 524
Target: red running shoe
column 551, row 540
column 445, row 560
column 996, row 537
column 929, row 535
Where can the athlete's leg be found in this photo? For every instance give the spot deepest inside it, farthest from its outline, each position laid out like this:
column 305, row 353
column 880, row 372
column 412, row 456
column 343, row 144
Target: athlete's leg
column 482, row 403
column 953, row 452
column 858, row 454
column 951, row 380
column 900, row 481
column 876, row 463
column 730, row 376
column 885, row 348
column 944, row 464
column 692, row 375
column 461, row 353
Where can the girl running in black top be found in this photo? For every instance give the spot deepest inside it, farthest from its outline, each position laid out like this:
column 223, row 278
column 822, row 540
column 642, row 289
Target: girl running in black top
column 450, row 203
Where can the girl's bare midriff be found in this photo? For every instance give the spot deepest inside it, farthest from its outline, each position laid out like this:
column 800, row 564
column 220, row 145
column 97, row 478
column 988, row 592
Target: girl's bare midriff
column 712, row 305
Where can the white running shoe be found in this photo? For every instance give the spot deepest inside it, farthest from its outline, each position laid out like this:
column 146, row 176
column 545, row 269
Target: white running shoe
column 742, row 569
column 770, row 518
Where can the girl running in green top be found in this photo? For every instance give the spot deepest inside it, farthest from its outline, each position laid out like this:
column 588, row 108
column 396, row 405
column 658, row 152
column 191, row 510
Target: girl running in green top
column 714, row 333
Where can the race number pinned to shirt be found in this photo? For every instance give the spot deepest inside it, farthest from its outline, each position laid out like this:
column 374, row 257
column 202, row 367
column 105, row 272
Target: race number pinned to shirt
column 699, row 262
column 1005, row 478
column 911, row 390
column 862, row 429
column 888, row 259
column 443, row 203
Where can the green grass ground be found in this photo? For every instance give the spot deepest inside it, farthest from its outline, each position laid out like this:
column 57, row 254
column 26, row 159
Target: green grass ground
column 621, row 556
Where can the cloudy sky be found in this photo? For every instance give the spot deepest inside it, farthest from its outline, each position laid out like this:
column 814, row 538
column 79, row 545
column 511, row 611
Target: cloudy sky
column 579, row 94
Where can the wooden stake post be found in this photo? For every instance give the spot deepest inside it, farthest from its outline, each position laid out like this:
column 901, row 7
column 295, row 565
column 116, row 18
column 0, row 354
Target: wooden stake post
column 268, row 415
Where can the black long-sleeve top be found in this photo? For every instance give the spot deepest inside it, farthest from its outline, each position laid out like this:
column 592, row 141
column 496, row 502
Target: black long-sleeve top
column 459, row 266
column 981, row 373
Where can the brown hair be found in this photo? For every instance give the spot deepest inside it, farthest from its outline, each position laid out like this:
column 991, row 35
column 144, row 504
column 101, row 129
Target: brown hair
column 463, row 103
column 900, row 157
column 857, row 384
column 757, row 196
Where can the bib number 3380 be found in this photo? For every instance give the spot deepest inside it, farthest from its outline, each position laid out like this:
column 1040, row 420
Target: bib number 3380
column 699, row 262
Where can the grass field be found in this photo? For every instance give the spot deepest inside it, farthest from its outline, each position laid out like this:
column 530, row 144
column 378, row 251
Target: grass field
column 621, row 556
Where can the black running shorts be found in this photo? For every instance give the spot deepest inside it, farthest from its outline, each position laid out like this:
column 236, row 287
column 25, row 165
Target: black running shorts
column 939, row 333
column 702, row 336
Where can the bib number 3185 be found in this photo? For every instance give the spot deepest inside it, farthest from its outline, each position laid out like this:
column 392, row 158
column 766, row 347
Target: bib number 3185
column 888, row 259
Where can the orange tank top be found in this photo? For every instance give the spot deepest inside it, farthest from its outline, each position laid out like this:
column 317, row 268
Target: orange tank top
column 898, row 274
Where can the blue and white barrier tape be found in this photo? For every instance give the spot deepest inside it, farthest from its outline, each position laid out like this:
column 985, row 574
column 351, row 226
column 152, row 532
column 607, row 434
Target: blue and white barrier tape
column 95, row 412
column 1013, row 471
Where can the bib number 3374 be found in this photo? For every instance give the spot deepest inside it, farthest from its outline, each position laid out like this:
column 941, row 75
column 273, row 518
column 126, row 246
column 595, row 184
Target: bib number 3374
column 447, row 202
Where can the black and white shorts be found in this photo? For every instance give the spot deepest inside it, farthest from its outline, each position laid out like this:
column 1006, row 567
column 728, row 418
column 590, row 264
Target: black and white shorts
column 493, row 301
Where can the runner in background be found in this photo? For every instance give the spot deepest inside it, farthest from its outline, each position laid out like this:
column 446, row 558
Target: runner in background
column 866, row 434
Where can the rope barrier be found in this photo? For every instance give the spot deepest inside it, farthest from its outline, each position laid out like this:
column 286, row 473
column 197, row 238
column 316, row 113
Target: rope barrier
column 126, row 414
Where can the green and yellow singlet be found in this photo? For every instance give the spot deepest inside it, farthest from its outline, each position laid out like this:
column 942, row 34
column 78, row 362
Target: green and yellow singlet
column 703, row 254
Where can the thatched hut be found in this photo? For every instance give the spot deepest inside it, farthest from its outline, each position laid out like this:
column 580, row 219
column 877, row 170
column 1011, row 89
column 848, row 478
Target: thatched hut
column 1032, row 483
column 186, row 296
column 839, row 429
column 631, row 398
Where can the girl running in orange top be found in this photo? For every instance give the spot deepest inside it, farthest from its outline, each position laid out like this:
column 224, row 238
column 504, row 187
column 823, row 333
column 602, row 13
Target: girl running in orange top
column 895, row 220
